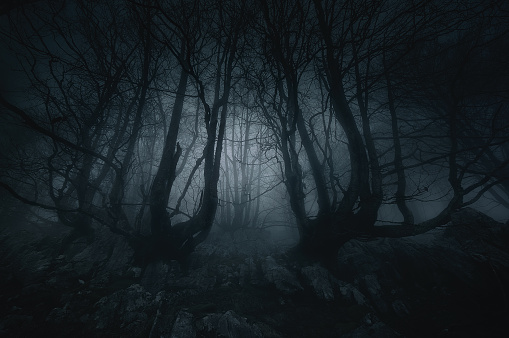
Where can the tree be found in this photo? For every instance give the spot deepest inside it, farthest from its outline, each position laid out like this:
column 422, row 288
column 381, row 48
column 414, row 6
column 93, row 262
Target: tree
column 147, row 117
column 99, row 143
column 83, row 102
column 456, row 84
column 221, row 44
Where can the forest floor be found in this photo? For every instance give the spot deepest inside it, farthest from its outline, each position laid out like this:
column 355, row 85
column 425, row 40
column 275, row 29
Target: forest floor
column 450, row 282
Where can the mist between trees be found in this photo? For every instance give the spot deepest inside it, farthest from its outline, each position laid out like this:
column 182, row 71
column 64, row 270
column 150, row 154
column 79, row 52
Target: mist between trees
column 323, row 120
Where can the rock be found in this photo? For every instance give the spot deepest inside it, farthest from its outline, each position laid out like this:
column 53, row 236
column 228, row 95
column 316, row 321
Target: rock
column 83, row 263
column 481, row 237
column 183, row 326
column 15, row 323
column 467, row 216
column 200, row 279
column 158, row 275
column 33, row 266
column 60, row 316
column 229, row 325
column 226, row 275
column 167, row 314
column 374, row 291
column 284, row 280
column 371, row 326
column 128, row 310
column 351, row 293
column 320, row 280
column 120, row 254
column 106, row 253
column 400, row 308
column 248, row 272
column 135, row 272
column 457, row 269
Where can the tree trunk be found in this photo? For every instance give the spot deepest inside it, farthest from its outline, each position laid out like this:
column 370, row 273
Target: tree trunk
column 163, row 180
column 117, row 190
column 408, row 217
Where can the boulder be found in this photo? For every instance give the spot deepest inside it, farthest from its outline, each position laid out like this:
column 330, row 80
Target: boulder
column 371, row 326
column 201, row 279
column 248, row 272
column 350, row 293
column 320, row 280
column 284, row 280
column 452, row 275
column 127, row 311
column 169, row 319
column 228, row 324
column 106, row 253
column 183, row 326
column 158, row 275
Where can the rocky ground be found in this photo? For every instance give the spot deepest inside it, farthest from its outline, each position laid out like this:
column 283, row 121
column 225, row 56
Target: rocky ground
column 451, row 282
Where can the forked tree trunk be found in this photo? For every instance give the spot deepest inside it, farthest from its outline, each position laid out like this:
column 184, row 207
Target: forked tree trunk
column 165, row 176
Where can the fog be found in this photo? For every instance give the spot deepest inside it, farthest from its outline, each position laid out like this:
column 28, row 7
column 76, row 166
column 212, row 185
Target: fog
column 257, row 121
column 170, row 130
